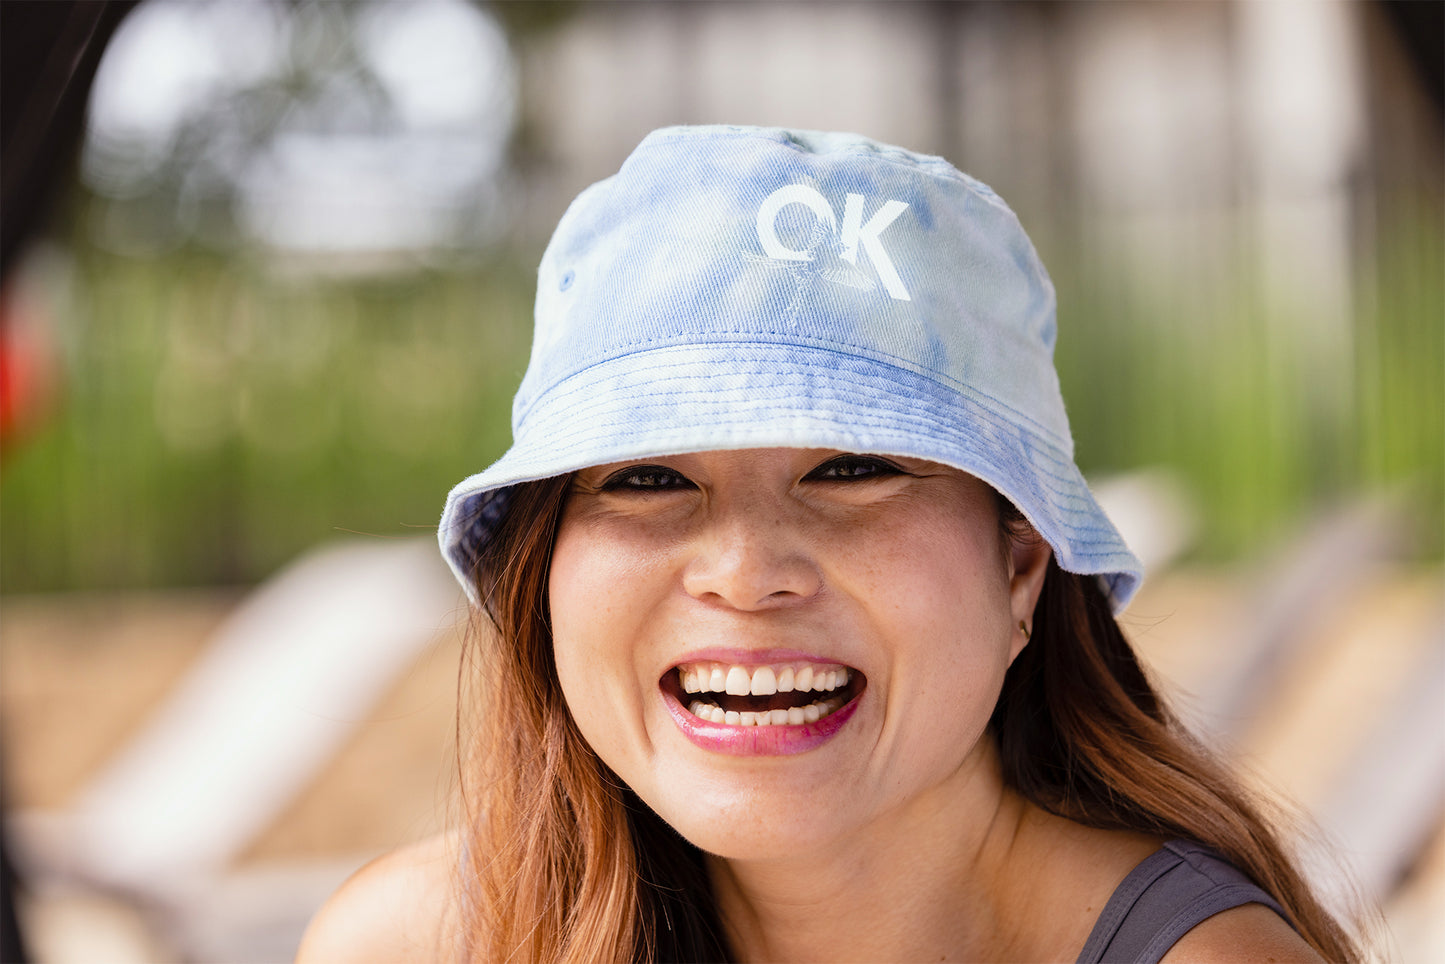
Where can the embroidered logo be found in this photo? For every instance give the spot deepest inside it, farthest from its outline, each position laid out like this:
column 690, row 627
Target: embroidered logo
column 836, row 262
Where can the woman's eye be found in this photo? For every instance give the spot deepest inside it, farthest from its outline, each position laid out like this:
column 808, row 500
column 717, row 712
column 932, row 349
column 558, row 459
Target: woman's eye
column 645, row 478
column 846, row 468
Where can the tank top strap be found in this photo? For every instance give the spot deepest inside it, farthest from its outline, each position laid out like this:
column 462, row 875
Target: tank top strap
column 1170, row 891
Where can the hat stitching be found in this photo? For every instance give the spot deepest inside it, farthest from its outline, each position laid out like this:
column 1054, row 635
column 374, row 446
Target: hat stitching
column 782, row 339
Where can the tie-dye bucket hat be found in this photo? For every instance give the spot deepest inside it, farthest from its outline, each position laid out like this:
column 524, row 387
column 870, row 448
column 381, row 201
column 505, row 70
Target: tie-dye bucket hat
column 735, row 287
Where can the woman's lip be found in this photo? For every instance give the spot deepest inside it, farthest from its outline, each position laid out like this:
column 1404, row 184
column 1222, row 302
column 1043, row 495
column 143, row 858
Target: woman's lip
column 753, row 657
column 776, row 740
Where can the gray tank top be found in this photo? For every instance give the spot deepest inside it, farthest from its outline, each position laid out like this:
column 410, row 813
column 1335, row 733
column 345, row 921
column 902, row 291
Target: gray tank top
column 1174, row 888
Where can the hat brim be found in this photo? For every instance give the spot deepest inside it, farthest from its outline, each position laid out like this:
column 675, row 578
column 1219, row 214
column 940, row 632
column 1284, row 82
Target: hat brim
column 733, row 395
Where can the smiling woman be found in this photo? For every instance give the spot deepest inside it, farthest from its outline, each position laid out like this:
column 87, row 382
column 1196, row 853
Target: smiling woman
column 802, row 637
column 784, row 608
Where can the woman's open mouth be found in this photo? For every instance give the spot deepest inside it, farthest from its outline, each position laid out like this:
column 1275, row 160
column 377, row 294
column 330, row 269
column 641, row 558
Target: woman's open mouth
column 775, row 694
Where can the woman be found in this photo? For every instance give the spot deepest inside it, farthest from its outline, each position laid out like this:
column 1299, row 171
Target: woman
column 804, row 643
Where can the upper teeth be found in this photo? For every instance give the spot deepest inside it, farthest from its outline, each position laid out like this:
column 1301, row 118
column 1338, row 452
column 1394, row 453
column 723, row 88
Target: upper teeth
column 764, row 680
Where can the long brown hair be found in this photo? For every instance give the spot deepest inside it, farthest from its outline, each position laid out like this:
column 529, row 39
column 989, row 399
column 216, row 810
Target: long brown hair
column 562, row 862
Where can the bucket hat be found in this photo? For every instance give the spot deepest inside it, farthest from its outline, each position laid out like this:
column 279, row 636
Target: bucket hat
column 736, row 287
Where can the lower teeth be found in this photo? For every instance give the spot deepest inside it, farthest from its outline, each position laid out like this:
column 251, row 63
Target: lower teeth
column 793, row 716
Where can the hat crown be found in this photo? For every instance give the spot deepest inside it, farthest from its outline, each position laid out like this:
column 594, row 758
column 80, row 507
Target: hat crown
column 820, row 240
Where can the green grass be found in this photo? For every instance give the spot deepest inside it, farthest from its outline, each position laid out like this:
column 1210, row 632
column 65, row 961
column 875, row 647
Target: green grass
column 1268, row 416
column 214, row 420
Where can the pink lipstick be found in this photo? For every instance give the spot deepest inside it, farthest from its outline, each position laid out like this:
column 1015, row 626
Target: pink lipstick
column 790, row 704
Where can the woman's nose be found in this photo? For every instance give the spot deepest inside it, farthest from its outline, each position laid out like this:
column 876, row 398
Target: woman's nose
column 752, row 559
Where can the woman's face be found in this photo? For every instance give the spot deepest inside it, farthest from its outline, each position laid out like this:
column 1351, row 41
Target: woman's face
column 776, row 648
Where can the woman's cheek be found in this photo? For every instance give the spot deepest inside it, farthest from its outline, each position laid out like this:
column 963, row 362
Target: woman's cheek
column 596, row 600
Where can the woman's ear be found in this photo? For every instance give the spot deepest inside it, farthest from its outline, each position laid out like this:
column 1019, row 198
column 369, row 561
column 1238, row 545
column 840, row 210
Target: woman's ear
column 1030, row 561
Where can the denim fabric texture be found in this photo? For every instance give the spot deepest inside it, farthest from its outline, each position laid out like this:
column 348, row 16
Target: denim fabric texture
column 735, row 287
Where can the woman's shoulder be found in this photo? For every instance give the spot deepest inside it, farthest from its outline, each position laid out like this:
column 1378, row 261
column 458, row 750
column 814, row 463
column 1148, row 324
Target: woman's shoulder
column 399, row 907
column 1249, row 932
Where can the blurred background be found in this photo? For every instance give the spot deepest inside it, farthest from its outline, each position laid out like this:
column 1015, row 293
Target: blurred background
column 267, row 295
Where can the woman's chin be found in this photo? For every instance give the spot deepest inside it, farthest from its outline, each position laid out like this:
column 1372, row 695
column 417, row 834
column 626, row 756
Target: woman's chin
column 756, row 845
column 754, row 826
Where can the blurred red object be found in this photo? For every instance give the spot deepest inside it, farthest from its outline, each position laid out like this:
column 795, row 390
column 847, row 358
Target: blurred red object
column 27, row 369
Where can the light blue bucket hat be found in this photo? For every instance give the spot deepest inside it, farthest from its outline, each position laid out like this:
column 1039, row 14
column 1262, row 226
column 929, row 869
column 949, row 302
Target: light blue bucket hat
column 736, row 287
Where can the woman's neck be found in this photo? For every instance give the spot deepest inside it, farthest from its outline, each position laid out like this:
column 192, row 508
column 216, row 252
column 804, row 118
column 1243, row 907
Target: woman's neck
column 937, row 880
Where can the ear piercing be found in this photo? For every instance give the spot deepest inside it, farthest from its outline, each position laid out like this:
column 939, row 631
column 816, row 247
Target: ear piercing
column 1025, row 630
